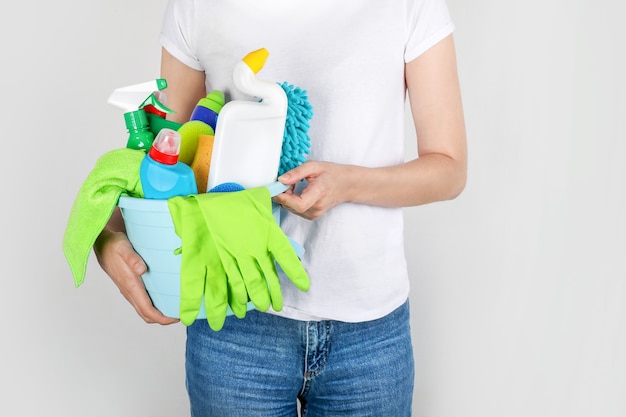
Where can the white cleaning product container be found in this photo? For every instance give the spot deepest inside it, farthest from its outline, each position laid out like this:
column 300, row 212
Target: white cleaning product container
column 249, row 134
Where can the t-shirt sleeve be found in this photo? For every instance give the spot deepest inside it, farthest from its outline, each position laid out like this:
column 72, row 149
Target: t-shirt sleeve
column 176, row 32
column 429, row 22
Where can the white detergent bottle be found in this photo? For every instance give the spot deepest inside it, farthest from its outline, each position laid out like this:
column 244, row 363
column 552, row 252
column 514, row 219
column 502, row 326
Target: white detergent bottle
column 249, row 134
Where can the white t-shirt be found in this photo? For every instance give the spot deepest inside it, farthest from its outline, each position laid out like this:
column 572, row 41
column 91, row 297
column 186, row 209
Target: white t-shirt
column 349, row 56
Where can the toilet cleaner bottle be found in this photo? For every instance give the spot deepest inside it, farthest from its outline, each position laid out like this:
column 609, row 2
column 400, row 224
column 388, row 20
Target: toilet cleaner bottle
column 249, row 133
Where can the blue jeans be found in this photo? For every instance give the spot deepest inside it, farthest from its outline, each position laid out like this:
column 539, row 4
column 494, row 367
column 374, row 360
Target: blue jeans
column 262, row 365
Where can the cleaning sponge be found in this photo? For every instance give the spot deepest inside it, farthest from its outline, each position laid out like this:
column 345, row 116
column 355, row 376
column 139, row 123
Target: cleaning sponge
column 202, row 122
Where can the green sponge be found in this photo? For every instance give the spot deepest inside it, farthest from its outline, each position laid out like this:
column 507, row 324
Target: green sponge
column 202, row 122
column 189, row 133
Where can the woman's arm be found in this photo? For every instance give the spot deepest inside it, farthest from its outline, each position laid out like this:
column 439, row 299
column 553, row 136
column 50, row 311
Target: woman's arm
column 185, row 87
column 439, row 172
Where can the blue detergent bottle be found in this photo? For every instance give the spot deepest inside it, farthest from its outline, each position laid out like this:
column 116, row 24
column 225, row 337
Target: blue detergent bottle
column 161, row 174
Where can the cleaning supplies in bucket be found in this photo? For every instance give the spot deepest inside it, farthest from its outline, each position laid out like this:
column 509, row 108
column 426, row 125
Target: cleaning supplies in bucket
column 176, row 229
column 150, row 228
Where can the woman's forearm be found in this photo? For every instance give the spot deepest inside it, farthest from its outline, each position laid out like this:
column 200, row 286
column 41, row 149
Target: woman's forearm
column 429, row 178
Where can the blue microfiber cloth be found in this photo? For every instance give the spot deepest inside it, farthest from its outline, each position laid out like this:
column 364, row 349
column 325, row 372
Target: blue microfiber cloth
column 296, row 141
column 115, row 173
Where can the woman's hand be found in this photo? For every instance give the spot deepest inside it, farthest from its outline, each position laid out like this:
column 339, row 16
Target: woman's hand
column 125, row 267
column 328, row 185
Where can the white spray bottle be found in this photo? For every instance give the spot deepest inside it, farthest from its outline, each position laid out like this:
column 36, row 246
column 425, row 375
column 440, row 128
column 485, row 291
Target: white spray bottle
column 249, row 134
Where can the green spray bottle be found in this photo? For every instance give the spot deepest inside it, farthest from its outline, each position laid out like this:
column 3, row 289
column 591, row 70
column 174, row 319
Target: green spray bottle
column 132, row 99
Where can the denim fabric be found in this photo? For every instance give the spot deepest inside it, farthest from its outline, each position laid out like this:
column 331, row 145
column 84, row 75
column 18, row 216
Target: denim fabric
column 263, row 364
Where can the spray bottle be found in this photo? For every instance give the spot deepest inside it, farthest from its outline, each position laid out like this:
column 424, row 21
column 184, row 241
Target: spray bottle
column 249, row 134
column 161, row 174
column 132, row 99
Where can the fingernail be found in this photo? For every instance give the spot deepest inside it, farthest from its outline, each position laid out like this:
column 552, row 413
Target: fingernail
column 284, row 177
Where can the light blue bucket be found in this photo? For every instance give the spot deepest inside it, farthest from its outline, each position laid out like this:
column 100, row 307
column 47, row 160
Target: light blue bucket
column 151, row 231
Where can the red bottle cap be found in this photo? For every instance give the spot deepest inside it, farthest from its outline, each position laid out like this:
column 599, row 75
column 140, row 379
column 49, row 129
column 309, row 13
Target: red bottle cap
column 166, row 147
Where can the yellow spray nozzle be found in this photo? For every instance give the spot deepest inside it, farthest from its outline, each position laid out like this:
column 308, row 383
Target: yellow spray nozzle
column 256, row 59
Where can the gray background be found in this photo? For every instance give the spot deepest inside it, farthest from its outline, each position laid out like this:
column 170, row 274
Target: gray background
column 518, row 286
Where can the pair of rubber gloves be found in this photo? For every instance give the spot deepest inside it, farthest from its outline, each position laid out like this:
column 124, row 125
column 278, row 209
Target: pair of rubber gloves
column 230, row 243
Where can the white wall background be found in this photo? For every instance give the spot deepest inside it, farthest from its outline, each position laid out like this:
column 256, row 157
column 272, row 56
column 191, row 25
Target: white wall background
column 519, row 285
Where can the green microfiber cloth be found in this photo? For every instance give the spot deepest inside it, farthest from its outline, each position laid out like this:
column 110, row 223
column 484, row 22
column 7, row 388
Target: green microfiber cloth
column 115, row 173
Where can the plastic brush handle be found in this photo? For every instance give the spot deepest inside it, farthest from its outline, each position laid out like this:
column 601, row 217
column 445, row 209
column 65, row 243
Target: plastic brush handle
column 277, row 188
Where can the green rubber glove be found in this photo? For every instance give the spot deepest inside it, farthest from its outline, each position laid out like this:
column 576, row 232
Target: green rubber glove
column 248, row 241
column 201, row 271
